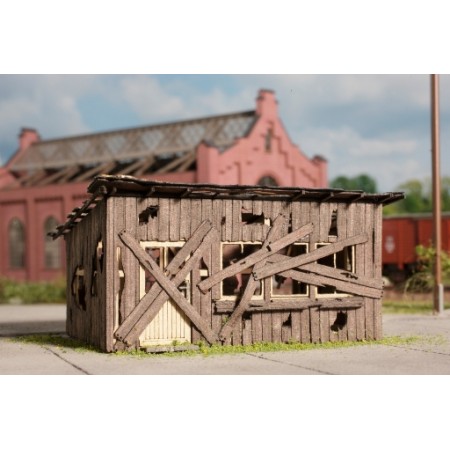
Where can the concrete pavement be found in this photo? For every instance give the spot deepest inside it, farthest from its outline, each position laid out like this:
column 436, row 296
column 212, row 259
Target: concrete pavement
column 429, row 355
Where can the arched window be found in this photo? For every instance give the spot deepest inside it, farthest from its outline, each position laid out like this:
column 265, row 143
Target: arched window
column 16, row 240
column 52, row 249
column 267, row 181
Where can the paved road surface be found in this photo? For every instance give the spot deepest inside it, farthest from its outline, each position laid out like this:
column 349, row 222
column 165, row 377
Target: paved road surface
column 431, row 355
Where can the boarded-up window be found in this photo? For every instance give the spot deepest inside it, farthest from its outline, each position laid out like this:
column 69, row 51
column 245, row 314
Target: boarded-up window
column 16, row 238
column 233, row 287
column 52, row 251
column 343, row 260
column 287, row 287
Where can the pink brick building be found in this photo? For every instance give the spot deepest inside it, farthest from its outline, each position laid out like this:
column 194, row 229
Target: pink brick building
column 46, row 179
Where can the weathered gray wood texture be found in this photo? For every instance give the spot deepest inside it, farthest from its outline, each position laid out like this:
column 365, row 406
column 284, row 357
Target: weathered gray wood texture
column 340, row 303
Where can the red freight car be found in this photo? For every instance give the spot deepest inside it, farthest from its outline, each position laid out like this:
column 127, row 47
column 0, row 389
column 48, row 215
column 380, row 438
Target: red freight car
column 401, row 235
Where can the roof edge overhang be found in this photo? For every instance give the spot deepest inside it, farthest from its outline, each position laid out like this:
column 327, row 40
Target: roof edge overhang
column 122, row 185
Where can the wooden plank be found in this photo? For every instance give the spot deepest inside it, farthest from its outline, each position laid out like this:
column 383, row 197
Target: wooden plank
column 266, row 326
column 247, row 332
column 226, row 306
column 305, row 330
column 174, row 222
column 342, row 331
column 195, row 242
column 324, row 221
column 171, row 289
column 130, row 293
column 215, row 265
column 195, row 299
column 334, row 334
column 257, row 328
column 185, row 219
column 110, row 270
column 236, row 232
column 191, row 245
column 368, row 304
column 217, row 215
column 258, row 231
column 252, row 284
column 196, row 213
column 377, row 313
column 257, row 256
column 207, row 209
column 236, row 336
column 330, row 272
column 151, row 303
column 324, row 320
column 351, row 325
column 296, row 334
column 247, row 230
column 276, row 326
column 315, row 324
column 313, row 256
column 227, row 228
column 377, row 269
column 164, row 220
column 343, row 286
column 286, row 326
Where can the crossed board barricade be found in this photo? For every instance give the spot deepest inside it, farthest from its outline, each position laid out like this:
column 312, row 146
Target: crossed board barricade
column 266, row 262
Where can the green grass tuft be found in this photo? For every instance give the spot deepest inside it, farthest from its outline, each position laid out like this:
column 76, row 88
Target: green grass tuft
column 64, row 343
column 31, row 293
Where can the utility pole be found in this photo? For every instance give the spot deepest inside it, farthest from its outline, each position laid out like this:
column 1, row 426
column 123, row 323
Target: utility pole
column 438, row 292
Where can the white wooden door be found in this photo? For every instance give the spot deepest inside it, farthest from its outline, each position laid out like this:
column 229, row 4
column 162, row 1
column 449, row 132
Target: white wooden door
column 170, row 324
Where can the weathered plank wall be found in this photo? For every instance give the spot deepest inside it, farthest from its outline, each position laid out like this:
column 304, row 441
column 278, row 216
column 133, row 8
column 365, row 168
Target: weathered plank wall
column 314, row 317
column 86, row 291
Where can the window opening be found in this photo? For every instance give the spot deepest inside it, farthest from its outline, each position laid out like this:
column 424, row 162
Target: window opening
column 52, row 247
column 267, row 181
column 343, row 260
column 16, row 238
column 162, row 254
column 282, row 286
column 233, row 287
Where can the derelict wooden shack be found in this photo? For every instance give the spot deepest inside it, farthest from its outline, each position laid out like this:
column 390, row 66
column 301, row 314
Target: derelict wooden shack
column 150, row 263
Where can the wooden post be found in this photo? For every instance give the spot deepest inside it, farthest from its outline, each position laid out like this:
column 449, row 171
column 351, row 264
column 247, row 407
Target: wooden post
column 438, row 303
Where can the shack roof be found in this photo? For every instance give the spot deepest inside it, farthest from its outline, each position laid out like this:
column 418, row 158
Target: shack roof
column 127, row 186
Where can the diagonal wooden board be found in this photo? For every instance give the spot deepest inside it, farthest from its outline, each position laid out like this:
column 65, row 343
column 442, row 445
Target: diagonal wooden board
column 267, row 250
column 171, row 289
column 146, row 310
column 321, row 275
column 251, row 284
column 313, row 256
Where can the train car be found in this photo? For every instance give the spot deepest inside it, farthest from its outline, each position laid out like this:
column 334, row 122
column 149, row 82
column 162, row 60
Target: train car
column 401, row 235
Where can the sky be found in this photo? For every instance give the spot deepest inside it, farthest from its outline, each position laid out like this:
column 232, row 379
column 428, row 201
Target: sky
column 373, row 124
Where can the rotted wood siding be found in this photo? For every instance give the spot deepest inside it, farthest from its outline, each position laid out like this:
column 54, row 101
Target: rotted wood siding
column 87, row 280
column 235, row 270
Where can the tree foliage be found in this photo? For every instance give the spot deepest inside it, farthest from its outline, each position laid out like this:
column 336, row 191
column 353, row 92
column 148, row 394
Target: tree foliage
column 418, row 196
column 361, row 182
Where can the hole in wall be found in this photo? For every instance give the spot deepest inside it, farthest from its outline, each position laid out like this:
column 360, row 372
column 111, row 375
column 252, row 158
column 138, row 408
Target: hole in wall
column 149, row 213
column 248, row 218
column 99, row 255
column 78, row 288
column 333, row 231
column 340, row 322
column 288, row 321
column 121, row 273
